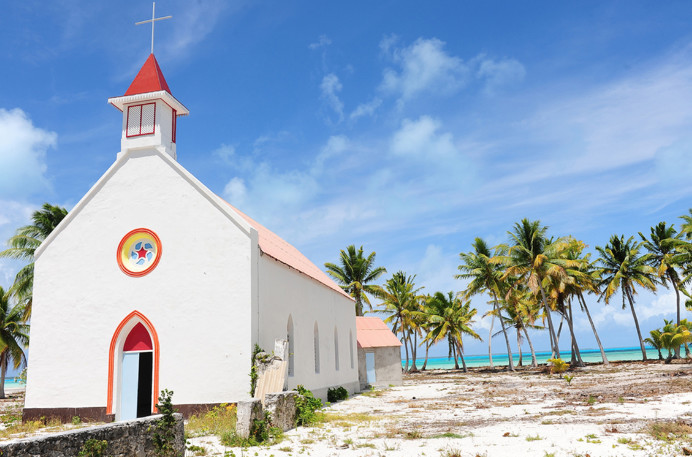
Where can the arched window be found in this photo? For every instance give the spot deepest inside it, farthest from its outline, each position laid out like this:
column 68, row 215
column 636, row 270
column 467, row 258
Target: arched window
column 291, row 346
column 350, row 346
column 336, row 349
column 317, row 349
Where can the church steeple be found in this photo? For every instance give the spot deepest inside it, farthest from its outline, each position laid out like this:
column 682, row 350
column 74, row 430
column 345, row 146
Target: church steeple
column 150, row 111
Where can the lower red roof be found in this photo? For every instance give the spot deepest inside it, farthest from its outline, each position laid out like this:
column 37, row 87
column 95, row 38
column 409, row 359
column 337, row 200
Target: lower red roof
column 372, row 332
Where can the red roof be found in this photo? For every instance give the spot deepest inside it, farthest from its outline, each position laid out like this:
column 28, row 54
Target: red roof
column 274, row 246
column 149, row 79
column 372, row 332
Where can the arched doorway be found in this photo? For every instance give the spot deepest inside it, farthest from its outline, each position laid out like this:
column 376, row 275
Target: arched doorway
column 136, row 375
column 133, row 369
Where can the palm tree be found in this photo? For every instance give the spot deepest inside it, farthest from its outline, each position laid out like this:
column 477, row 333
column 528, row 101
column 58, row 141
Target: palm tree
column 622, row 268
column 687, row 225
column 672, row 336
column 451, row 318
column 401, row 300
column 23, row 245
column 354, row 275
column 523, row 310
column 14, row 334
column 485, row 276
column 655, row 341
column 532, row 258
column 661, row 246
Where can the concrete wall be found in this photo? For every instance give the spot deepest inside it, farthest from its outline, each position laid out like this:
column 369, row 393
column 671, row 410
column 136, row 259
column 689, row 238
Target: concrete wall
column 125, row 439
column 284, row 292
column 199, row 298
column 387, row 366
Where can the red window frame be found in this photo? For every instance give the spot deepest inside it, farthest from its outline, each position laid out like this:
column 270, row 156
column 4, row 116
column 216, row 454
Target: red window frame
column 141, row 110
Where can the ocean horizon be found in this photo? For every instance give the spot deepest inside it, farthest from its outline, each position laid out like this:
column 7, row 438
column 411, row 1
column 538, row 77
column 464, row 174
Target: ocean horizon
column 587, row 355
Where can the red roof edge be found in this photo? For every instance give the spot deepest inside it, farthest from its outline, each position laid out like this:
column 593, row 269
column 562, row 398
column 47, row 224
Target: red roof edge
column 149, row 79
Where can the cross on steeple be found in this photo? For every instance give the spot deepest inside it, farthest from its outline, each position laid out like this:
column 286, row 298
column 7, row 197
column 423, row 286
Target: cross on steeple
column 152, row 20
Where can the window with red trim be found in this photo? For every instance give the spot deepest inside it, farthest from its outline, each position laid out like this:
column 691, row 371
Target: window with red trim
column 141, row 119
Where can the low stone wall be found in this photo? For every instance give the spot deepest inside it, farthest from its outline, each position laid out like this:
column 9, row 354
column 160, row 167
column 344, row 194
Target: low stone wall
column 125, row 439
column 281, row 406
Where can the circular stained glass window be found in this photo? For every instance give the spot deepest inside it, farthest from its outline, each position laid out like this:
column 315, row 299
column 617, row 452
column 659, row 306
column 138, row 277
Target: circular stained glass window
column 139, row 252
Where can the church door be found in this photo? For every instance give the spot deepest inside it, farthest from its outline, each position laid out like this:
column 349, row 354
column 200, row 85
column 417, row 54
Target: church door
column 136, row 375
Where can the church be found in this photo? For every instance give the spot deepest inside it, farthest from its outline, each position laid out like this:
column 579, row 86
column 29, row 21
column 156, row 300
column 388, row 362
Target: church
column 153, row 282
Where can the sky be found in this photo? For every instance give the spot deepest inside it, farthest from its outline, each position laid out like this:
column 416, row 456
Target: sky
column 409, row 128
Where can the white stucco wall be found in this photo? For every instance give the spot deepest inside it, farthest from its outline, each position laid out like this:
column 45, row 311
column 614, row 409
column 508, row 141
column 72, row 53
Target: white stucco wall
column 199, row 298
column 285, row 291
column 387, row 366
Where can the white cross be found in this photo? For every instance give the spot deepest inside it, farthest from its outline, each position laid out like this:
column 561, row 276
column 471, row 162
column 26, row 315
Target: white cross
column 152, row 20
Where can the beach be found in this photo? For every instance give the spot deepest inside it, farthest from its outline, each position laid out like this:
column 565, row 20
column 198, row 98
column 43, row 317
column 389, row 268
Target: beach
column 624, row 409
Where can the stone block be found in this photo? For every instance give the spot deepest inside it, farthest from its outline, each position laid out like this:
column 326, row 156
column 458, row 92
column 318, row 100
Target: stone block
column 282, row 407
column 247, row 412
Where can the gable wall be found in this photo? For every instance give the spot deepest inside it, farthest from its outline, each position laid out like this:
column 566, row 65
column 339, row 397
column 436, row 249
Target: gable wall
column 199, row 297
column 285, row 291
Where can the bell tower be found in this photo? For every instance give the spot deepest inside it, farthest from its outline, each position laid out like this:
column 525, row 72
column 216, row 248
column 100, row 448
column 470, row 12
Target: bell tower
column 150, row 112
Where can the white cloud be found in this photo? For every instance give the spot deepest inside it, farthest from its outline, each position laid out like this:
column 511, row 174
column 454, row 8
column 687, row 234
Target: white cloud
column 23, row 148
column 421, row 138
column 366, row 109
column 322, row 42
column 423, row 67
column 499, row 73
column 330, row 87
column 235, row 191
column 194, row 21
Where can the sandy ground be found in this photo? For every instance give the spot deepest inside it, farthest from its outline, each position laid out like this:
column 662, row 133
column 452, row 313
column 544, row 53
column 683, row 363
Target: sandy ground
column 605, row 411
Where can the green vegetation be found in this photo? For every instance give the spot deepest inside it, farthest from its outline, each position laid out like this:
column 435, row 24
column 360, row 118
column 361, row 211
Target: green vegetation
column 219, row 421
column 14, row 336
column 558, row 366
column 93, row 448
column 253, row 369
column 164, row 433
column 23, row 245
column 354, row 274
column 335, row 394
column 307, row 406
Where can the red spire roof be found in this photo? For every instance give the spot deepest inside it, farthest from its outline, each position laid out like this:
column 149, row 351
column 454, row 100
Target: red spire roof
column 149, row 79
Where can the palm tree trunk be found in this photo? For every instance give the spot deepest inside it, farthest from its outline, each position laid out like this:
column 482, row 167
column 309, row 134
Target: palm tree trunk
column 636, row 322
column 454, row 354
column 3, row 372
column 534, row 363
column 559, row 328
column 593, row 327
column 660, row 356
column 425, row 363
column 551, row 328
column 677, row 297
column 490, row 339
column 405, row 341
column 576, row 355
column 521, row 358
column 414, row 344
column 461, row 355
column 504, row 332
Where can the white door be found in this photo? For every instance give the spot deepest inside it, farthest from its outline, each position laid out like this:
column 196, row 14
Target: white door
column 130, row 379
column 370, row 367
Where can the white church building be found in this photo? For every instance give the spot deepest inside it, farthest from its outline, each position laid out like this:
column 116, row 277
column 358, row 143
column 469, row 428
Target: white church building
column 154, row 282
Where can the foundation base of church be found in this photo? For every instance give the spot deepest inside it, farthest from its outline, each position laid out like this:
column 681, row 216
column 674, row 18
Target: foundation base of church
column 98, row 413
column 65, row 415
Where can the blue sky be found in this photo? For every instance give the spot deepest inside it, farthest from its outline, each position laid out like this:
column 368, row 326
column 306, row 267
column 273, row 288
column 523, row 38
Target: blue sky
column 407, row 127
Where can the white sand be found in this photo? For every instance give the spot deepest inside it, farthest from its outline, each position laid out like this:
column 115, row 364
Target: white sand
column 498, row 414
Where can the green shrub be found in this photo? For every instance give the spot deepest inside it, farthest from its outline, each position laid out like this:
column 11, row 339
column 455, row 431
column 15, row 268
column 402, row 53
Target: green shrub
column 335, row 394
column 253, row 369
column 306, row 405
column 164, row 434
column 93, row 448
column 558, row 366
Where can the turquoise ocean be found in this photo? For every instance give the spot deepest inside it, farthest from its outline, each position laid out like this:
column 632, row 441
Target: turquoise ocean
column 587, row 355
